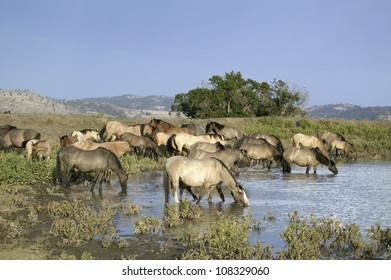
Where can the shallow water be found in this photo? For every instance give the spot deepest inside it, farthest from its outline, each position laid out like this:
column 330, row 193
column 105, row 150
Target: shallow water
column 360, row 194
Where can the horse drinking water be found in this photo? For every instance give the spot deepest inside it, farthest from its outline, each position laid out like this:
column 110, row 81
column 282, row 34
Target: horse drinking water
column 309, row 158
column 98, row 161
column 181, row 172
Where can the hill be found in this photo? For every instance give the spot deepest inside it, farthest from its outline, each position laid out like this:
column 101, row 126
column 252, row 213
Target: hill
column 349, row 111
column 137, row 107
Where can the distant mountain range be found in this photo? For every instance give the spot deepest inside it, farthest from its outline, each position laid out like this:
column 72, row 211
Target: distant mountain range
column 134, row 106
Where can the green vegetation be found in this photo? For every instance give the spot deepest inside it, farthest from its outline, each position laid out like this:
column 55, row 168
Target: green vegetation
column 234, row 96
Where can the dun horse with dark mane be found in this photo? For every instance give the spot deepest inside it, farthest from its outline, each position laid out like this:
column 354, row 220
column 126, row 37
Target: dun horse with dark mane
column 98, row 161
column 17, row 137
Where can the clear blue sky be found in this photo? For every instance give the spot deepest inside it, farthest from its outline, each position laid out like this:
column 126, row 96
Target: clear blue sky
column 339, row 51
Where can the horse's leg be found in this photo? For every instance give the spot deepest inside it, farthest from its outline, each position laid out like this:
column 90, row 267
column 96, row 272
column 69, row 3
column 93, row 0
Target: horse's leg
column 218, row 187
column 307, row 170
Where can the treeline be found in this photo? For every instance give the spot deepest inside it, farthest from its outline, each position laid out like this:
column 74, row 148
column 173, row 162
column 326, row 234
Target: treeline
column 234, row 96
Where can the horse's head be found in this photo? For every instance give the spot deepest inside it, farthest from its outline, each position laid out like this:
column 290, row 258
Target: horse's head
column 240, row 195
column 333, row 167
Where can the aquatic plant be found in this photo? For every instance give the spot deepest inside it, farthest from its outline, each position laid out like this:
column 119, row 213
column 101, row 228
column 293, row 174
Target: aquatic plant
column 148, row 225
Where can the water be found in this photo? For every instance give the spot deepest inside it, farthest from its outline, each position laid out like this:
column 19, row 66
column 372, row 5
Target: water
column 360, row 194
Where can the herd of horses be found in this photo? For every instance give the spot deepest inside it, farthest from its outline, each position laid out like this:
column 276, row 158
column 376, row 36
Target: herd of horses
column 196, row 157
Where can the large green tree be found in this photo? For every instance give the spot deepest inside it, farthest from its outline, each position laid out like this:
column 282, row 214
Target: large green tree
column 234, row 96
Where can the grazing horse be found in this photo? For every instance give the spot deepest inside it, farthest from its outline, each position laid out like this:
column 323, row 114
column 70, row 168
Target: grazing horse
column 119, row 148
column 17, row 137
column 182, row 141
column 67, row 140
column 38, row 149
column 308, row 141
column 183, row 172
column 232, row 158
column 113, row 128
column 229, row 133
column 264, row 151
column 309, row 158
column 87, row 134
column 328, row 136
column 141, row 143
column 347, row 148
column 99, row 161
column 168, row 128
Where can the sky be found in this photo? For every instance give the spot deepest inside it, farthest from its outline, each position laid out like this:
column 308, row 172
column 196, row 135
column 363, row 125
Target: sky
column 339, row 51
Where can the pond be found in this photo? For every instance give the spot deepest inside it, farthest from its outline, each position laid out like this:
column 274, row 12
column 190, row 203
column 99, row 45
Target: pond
column 360, row 194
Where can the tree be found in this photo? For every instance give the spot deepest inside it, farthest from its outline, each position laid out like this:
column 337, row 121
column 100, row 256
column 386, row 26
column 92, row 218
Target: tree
column 234, row 96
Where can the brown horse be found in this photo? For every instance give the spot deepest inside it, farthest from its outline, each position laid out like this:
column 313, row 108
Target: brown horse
column 308, row 141
column 168, row 128
column 17, row 137
column 113, row 128
column 67, row 140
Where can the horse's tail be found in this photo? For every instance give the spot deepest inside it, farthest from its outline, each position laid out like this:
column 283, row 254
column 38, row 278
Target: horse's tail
column 171, row 144
column 102, row 133
column 166, row 184
column 29, row 148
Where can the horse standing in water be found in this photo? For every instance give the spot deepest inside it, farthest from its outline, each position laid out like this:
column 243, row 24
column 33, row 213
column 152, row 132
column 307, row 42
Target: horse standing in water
column 229, row 133
column 98, row 161
column 308, row 141
column 17, row 137
column 309, row 158
column 182, row 172
column 344, row 146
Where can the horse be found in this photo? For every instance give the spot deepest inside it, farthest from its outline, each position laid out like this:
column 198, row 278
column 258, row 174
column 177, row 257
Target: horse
column 309, row 158
column 141, row 143
column 119, row 148
column 168, row 128
column 38, row 149
column 229, row 133
column 232, row 158
column 207, row 147
column 87, row 134
column 264, row 151
column 17, row 137
column 272, row 139
column 183, row 172
column 66, row 140
column 345, row 146
column 328, row 136
column 114, row 127
column 160, row 138
column 99, row 161
column 182, row 141
column 195, row 129
column 309, row 141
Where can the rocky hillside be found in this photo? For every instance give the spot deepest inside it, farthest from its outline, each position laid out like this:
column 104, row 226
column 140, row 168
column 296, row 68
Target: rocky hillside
column 349, row 111
column 133, row 106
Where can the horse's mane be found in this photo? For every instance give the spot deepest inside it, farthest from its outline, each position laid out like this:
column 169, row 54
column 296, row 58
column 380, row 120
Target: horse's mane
column 84, row 131
column 218, row 125
column 226, row 167
column 321, row 157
